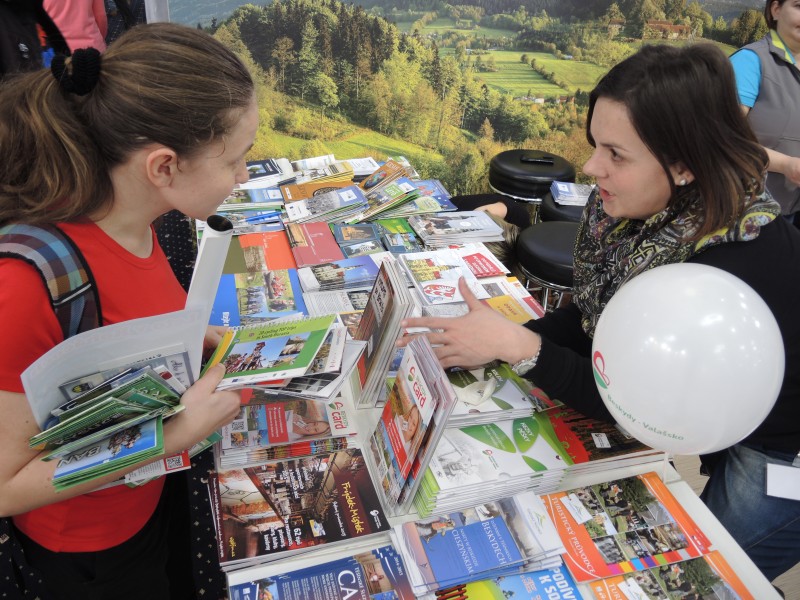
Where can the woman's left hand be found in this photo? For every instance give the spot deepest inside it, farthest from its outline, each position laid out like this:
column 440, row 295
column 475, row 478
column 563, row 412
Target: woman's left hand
column 472, row 340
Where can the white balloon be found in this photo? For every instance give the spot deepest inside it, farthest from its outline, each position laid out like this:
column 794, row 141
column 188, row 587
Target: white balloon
column 688, row 358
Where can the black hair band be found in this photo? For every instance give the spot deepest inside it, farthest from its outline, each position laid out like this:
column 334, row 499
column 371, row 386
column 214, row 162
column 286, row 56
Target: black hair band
column 84, row 74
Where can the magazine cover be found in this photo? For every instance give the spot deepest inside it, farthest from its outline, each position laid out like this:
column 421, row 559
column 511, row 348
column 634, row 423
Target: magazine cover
column 271, row 351
column 436, row 273
column 695, row 579
column 553, row 584
column 622, row 526
column 256, row 297
column 479, row 455
column 590, row 440
column 312, row 243
column 401, row 427
column 378, row 574
column 487, row 540
column 275, row 419
column 258, row 252
column 265, row 511
column 360, row 271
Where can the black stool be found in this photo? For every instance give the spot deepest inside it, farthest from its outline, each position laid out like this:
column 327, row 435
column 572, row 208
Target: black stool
column 550, row 210
column 545, row 253
column 526, row 175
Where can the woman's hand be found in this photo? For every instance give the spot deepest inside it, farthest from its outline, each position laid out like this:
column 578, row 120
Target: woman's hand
column 212, row 339
column 479, row 337
column 206, row 410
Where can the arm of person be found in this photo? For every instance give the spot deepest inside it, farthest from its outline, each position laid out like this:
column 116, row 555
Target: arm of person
column 26, row 481
column 747, row 67
column 483, row 335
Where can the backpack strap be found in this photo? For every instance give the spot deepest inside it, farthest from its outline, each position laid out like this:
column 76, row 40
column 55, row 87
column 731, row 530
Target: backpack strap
column 64, row 272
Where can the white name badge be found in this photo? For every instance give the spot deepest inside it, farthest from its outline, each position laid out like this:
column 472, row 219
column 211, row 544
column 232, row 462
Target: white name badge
column 783, row 481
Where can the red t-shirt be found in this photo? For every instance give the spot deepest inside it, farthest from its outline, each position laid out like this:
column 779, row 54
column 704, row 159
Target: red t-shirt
column 130, row 287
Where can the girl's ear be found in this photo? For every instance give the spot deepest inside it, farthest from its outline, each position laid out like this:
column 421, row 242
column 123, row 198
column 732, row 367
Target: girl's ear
column 681, row 175
column 161, row 165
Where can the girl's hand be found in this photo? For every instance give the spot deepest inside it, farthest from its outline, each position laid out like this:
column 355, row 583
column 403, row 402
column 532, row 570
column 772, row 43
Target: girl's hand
column 206, row 410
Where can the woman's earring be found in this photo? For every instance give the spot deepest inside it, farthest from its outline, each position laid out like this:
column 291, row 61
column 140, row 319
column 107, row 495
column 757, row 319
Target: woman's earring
column 682, row 182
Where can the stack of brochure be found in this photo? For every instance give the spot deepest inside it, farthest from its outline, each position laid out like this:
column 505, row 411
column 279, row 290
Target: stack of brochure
column 280, row 349
column 372, row 572
column 335, row 205
column 433, row 198
column 435, row 274
column 381, row 200
column 554, row 583
column 358, row 239
column 270, row 172
column 411, row 423
column 494, row 392
column 389, row 303
column 528, row 453
column 283, row 508
column 443, row 229
column 356, row 272
column 491, row 539
column 276, row 426
column 631, row 538
column 571, row 194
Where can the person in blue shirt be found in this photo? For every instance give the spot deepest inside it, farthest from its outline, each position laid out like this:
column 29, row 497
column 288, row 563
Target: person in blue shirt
column 768, row 82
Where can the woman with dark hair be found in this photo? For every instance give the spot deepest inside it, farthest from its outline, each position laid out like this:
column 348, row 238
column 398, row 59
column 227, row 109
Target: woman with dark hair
column 680, row 178
column 768, row 82
column 103, row 145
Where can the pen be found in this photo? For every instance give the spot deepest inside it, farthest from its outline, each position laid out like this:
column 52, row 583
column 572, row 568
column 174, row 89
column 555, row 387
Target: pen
column 263, row 217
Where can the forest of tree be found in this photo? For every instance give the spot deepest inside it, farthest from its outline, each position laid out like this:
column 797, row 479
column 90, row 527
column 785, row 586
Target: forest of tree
column 323, row 63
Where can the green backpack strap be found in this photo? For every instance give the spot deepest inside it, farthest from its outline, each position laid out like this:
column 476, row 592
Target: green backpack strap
column 65, row 274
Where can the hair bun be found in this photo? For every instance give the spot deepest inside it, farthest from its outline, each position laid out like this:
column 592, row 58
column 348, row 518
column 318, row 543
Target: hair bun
column 84, row 74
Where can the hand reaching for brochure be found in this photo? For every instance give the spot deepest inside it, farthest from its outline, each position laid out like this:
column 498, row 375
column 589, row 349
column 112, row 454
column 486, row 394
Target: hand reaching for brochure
column 474, row 339
column 206, row 411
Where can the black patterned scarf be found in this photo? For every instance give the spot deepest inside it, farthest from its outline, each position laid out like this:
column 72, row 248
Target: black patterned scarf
column 611, row 251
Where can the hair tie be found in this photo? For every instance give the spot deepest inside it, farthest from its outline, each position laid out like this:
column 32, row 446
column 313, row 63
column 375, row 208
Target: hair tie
column 84, row 74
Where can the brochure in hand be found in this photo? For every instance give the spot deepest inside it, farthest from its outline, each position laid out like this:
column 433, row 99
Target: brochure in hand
column 377, row 573
column 112, row 453
column 270, row 511
column 276, row 350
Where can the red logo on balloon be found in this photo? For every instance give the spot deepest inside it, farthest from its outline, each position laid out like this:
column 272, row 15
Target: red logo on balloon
column 599, row 364
column 435, row 289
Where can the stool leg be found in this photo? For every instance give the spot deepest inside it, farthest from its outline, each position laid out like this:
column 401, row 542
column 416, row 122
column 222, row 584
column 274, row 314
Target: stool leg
column 545, row 298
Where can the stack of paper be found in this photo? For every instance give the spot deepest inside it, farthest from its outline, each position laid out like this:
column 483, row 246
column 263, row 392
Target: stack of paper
column 374, row 572
column 411, row 423
column 435, row 275
column 274, row 510
column 381, row 200
column 280, row 349
column 492, row 539
column 571, row 194
column 347, row 273
column 335, row 205
column 460, row 227
column 389, row 303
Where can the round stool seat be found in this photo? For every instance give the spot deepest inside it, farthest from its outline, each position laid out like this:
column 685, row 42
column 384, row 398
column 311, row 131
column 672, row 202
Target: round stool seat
column 527, row 174
column 550, row 210
column 545, row 250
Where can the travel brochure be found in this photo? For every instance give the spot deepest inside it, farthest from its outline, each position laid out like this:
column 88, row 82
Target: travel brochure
column 281, row 508
column 276, row 350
